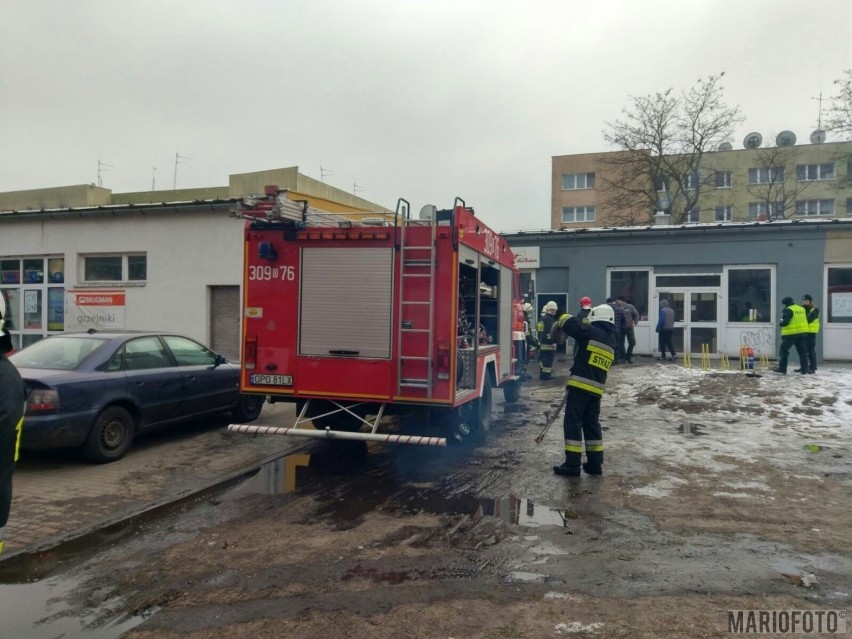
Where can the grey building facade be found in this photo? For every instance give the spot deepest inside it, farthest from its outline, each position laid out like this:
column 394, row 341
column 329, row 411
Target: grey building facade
column 724, row 281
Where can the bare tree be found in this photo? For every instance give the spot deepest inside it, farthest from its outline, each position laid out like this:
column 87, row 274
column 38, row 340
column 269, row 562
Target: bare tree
column 839, row 116
column 663, row 139
column 839, row 120
column 774, row 182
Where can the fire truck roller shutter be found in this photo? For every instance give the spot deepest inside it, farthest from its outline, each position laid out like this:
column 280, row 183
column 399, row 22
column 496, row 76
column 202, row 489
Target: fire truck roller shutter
column 347, row 298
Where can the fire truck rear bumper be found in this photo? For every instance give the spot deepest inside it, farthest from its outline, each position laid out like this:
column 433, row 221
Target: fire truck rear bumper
column 415, row 440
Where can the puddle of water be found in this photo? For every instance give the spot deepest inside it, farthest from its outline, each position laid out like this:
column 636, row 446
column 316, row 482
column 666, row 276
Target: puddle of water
column 691, row 429
column 42, row 610
column 379, row 487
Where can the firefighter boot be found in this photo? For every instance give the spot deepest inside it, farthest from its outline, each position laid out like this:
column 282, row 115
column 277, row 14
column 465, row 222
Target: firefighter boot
column 566, row 470
column 593, row 463
column 570, row 467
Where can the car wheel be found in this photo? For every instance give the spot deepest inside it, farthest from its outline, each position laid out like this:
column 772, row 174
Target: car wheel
column 249, row 407
column 111, row 435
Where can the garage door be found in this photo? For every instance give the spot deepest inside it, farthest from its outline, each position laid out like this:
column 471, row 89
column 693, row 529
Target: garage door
column 225, row 321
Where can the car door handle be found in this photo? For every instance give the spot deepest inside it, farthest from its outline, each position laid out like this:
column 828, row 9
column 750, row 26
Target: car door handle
column 191, row 378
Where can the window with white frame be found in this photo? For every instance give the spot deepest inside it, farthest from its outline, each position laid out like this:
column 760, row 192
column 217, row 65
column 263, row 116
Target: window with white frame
column 815, row 207
column 766, row 175
column 578, row 214
column 839, row 294
column 573, row 181
column 766, row 210
column 692, row 216
column 723, row 179
column 808, row 172
column 723, row 213
column 131, row 267
column 690, row 181
column 662, row 183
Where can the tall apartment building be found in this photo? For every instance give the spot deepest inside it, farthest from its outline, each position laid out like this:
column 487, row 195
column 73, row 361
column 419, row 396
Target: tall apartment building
column 782, row 181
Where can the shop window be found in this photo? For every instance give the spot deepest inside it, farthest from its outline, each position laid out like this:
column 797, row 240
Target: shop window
column 633, row 285
column 750, row 295
column 115, row 268
column 839, row 295
column 34, row 296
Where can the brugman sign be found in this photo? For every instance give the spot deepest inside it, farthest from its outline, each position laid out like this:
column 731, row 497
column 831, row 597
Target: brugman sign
column 94, row 309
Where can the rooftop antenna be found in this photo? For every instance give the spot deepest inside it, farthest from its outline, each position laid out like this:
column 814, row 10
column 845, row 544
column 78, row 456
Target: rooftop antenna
column 819, row 117
column 324, row 172
column 101, row 167
column 356, row 187
column 154, row 180
column 178, row 158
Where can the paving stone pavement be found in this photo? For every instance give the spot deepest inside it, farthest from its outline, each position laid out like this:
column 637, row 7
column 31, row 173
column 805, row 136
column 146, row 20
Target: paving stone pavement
column 57, row 495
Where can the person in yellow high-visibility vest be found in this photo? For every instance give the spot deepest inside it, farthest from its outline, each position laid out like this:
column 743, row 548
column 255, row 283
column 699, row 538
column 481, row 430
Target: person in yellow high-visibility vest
column 812, row 315
column 794, row 327
column 13, row 396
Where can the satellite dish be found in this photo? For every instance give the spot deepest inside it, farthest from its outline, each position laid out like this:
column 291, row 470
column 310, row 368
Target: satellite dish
column 785, row 138
column 818, row 137
column 753, row 140
column 726, row 146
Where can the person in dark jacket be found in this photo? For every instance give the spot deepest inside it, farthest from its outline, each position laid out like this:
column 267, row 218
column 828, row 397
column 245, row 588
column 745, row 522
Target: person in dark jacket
column 628, row 332
column 812, row 315
column 794, row 328
column 585, row 387
column 618, row 322
column 665, row 327
column 13, row 396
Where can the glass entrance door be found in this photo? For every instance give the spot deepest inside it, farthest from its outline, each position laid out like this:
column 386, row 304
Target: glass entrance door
column 696, row 319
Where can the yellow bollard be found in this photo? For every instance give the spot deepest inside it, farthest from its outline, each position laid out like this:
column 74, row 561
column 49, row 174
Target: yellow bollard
column 725, row 361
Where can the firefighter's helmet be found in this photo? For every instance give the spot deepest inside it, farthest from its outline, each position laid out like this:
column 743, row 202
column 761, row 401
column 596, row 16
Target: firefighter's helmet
column 527, row 307
column 602, row 313
column 550, row 307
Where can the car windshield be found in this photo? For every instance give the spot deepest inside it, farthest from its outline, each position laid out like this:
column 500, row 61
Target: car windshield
column 64, row 353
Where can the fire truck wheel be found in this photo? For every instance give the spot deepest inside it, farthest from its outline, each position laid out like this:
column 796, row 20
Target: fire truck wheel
column 249, row 407
column 512, row 392
column 483, row 409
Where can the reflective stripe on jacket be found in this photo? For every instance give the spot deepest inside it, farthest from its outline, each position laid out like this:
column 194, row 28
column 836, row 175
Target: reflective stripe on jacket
column 545, row 339
column 595, row 353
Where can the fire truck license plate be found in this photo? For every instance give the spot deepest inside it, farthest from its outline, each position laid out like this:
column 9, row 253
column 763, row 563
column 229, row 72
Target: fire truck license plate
column 272, row 380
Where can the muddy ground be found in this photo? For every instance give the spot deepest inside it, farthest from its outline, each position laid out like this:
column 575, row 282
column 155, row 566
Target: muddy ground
column 721, row 491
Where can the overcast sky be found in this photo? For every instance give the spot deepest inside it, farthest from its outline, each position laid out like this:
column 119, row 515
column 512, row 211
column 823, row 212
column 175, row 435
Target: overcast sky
column 424, row 100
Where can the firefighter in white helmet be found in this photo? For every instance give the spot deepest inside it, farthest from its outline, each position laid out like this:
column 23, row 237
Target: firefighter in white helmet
column 546, row 349
column 585, row 386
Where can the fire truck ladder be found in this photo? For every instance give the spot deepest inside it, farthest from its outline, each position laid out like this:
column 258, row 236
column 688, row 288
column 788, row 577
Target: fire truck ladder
column 417, row 263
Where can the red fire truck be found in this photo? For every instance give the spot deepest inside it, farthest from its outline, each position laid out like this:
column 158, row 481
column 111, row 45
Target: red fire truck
column 359, row 320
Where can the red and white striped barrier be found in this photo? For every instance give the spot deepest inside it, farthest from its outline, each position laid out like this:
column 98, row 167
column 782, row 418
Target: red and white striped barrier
column 415, row 440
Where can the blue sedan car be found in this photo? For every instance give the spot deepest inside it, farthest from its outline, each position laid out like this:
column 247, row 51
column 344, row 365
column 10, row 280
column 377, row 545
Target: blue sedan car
column 98, row 390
